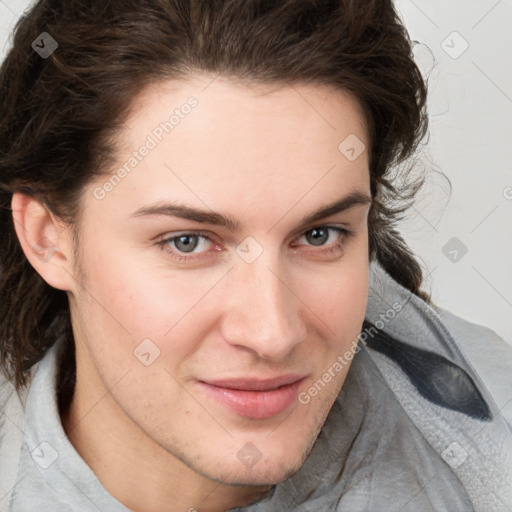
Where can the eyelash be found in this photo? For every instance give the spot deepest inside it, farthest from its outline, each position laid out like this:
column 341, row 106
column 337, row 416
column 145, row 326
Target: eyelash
column 345, row 234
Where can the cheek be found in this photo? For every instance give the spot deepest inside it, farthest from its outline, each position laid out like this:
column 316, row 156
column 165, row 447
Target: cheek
column 338, row 294
column 344, row 310
column 134, row 301
column 126, row 289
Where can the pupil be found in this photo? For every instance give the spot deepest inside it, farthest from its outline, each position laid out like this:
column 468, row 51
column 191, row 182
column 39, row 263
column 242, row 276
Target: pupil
column 186, row 242
column 318, row 236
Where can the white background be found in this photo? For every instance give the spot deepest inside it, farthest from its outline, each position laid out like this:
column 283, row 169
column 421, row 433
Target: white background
column 470, row 109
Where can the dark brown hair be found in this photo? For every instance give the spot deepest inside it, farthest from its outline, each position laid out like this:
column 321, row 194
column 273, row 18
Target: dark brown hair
column 58, row 114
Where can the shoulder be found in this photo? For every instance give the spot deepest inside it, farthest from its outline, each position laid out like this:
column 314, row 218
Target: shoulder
column 430, row 327
column 12, row 412
column 488, row 353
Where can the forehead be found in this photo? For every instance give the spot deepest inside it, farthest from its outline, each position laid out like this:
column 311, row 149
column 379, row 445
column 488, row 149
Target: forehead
column 227, row 104
column 210, row 141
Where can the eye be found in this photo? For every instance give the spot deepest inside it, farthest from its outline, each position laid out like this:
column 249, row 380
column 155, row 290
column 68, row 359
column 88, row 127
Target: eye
column 179, row 246
column 194, row 246
column 187, row 242
column 319, row 236
column 329, row 240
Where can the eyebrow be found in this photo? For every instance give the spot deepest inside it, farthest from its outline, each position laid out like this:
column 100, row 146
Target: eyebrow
column 174, row 209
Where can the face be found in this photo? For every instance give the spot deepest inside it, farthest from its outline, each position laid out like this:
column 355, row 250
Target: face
column 213, row 299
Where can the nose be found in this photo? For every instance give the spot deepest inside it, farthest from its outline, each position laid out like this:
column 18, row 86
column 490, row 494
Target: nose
column 262, row 312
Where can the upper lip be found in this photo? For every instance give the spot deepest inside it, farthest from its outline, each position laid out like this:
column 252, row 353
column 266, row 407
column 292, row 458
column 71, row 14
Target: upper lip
column 255, row 384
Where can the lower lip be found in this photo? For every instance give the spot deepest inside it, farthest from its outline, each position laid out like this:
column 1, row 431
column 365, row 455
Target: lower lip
column 255, row 404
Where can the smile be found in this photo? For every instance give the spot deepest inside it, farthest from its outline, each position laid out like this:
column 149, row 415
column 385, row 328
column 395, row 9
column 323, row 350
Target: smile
column 255, row 399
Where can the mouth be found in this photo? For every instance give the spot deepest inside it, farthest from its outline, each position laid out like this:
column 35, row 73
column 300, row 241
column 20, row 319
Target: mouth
column 255, row 398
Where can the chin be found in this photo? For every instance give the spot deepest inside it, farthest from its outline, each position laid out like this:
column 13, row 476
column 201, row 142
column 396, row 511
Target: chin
column 264, row 474
column 279, row 461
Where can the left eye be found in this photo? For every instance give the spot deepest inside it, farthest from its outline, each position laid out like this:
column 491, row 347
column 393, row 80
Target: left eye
column 318, row 236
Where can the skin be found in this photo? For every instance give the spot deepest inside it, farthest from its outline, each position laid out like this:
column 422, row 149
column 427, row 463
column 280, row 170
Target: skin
column 267, row 157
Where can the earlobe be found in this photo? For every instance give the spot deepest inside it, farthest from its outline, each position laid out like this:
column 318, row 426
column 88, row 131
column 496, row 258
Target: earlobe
column 44, row 239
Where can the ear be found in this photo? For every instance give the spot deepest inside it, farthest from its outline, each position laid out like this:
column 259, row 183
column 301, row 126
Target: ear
column 45, row 240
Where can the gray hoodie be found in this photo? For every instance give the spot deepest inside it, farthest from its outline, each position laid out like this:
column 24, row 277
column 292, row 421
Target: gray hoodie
column 414, row 427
